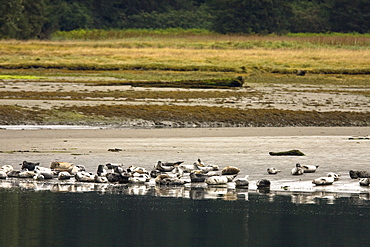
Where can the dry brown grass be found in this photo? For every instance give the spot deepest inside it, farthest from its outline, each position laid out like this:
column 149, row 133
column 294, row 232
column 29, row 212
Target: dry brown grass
column 112, row 55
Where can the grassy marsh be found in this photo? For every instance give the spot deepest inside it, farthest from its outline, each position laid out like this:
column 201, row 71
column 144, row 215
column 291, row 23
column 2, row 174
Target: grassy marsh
column 335, row 64
column 335, row 54
column 203, row 39
column 262, row 60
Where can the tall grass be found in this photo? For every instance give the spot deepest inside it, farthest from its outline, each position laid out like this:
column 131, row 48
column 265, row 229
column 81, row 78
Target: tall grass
column 85, row 56
column 191, row 50
column 99, row 34
column 219, row 41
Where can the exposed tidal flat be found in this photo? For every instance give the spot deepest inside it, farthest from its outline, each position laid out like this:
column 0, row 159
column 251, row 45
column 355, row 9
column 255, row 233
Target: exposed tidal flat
column 54, row 213
column 333, row 149
column 255, row 105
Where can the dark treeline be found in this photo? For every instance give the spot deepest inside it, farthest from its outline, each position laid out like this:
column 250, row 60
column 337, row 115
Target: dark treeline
column 30, row 19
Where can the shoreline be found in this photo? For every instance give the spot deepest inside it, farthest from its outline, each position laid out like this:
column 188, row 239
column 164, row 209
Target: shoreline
column 183, row 132
column 247, row 148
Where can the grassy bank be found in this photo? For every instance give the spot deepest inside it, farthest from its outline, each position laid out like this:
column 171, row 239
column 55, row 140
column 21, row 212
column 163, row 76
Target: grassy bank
column 203, row 39
column 194, row 52
column 170, row 59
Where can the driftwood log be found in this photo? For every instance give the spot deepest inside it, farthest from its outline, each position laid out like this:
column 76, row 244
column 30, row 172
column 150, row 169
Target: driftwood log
column 290, row 152
column 359, row 174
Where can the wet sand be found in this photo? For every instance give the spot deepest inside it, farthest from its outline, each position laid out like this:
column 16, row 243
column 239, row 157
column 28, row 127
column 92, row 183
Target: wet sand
column 247, row 148
column 14, row 132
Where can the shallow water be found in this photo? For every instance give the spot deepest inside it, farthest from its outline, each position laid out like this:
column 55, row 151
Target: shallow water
column 122, row 218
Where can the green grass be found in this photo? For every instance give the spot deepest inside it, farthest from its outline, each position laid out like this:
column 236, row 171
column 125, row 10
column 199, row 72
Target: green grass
column 20, row 77
column 98, row 34
column 140, row 38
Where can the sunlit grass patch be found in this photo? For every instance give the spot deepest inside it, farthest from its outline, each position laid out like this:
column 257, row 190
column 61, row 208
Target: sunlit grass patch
column 205, row 39
column 20, row 77
column 166, row 53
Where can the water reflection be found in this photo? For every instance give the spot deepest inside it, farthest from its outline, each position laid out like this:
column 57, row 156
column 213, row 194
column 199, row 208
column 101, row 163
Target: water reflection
column 194, row 191
column 62, row 214
column 311, row 198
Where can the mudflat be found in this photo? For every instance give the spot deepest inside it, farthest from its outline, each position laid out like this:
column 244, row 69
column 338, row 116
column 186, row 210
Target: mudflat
column 333, row 149
column 253, row 105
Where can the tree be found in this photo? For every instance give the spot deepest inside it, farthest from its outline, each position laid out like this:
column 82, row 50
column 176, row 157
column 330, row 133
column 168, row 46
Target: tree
column 74, row 16
column 10, row 12
column 250, row 16
column 21, row 19
column 32, row 19
column 171, row 19
column 107, row 13
column 349, row 15
column 309, row 16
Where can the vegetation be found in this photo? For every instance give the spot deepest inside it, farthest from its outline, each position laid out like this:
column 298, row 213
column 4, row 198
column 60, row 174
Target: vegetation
column 126, row 95
column 176, row 38
column 207, row 53
column 180, row 116
column 40, row 19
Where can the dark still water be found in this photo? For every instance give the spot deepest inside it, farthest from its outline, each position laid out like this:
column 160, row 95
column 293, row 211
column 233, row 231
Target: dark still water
column 46, row 218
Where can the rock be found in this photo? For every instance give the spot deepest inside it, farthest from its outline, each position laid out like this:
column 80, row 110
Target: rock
column 301, row 72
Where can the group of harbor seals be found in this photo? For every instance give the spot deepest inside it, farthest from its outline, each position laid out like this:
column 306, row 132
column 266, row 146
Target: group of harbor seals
column 327, row 180
column 163, row 173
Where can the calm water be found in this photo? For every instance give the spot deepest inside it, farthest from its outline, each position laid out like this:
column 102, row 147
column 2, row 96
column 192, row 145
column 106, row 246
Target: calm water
column 37, row 215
